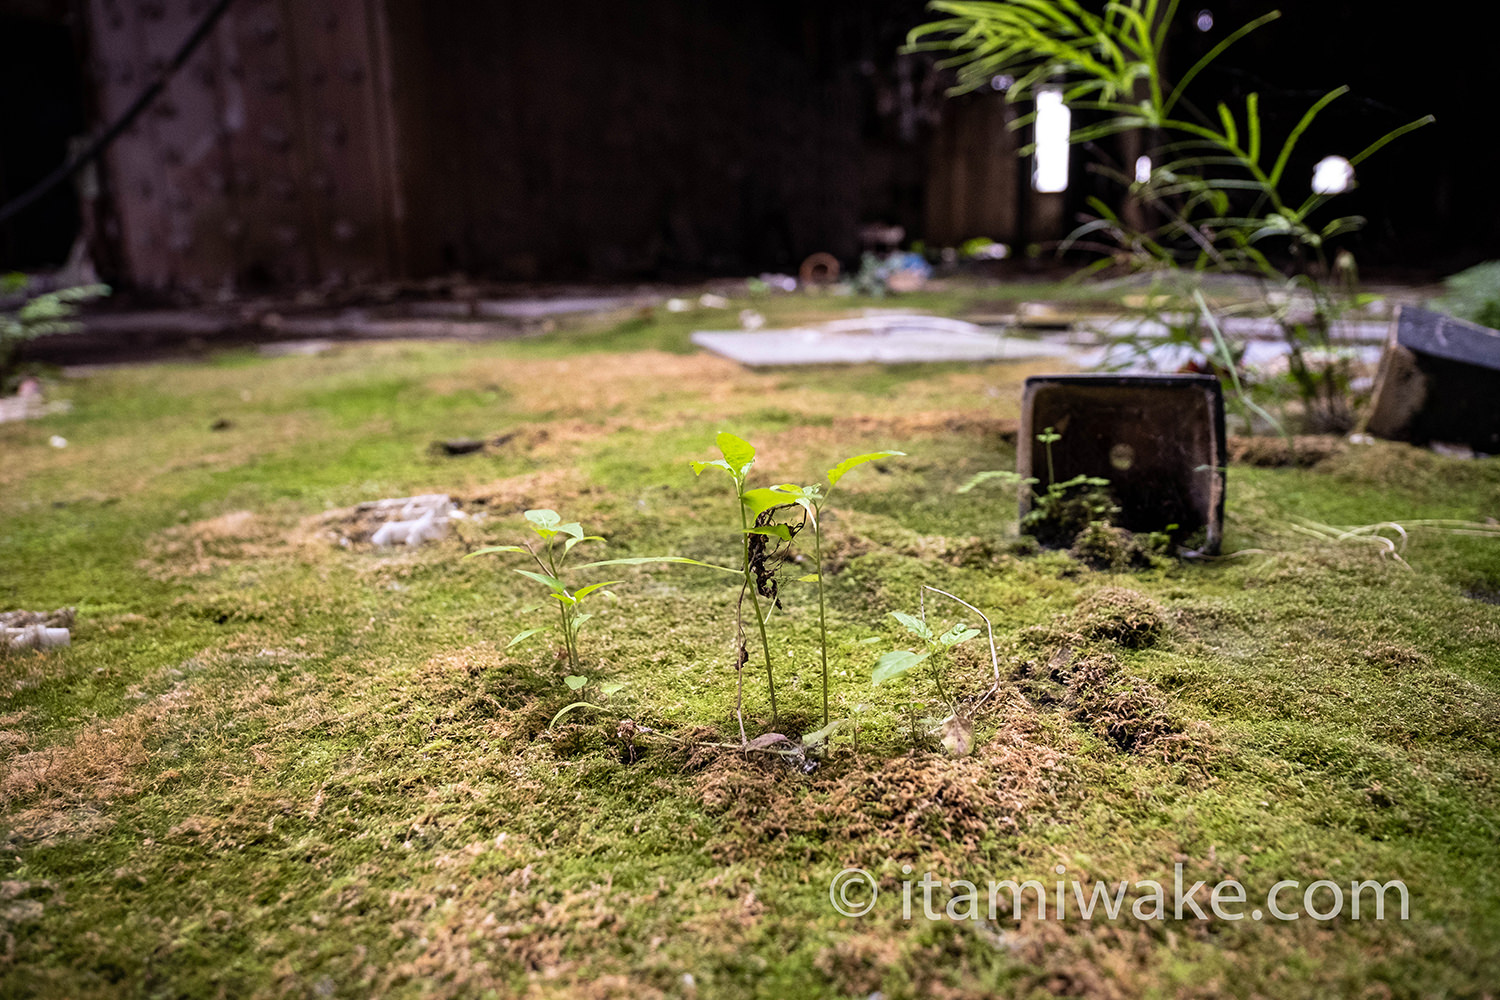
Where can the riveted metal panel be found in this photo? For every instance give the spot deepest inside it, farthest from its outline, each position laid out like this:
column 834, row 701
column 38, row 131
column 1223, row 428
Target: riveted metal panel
column 264, row 161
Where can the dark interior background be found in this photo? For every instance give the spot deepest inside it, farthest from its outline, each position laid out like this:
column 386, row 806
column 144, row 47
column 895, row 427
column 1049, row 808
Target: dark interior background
column 665, row 139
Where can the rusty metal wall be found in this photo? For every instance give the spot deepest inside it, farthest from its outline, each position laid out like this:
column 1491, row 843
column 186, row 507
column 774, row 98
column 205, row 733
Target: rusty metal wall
column 626, row 140
column 268, row 161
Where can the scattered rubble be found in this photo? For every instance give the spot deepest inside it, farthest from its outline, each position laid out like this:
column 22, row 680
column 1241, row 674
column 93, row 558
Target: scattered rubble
column 415, row 519
column 36, row 629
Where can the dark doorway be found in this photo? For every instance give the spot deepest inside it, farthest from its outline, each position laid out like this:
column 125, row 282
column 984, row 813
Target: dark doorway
column 43, row 110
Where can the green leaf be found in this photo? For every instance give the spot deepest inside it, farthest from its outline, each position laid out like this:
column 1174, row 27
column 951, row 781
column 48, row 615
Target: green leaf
column 583, row 592
column 550, row 581
column 957, row 634
column 717, row 463
column 914, row 625
column 894, row 664
column 568, row 545
column 781, row 531
column 757, row 502
column 1298, row 129
column 646, row 560
column 958, row 735
column 575, row 682
column 523, row 636
column 576, row 623
column 497, row 548
column 611, row 687
column 839, row 471
column 571, row 528
column 1004, row 475
column 812, row 739
column 739, row 453
column 809, row 578
column 543, row 518
column 569, row 708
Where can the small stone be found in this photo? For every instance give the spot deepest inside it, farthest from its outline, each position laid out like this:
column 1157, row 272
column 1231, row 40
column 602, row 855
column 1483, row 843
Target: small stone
column 459, row 446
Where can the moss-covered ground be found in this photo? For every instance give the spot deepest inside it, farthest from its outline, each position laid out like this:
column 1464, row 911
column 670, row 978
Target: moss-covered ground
column 277, row 764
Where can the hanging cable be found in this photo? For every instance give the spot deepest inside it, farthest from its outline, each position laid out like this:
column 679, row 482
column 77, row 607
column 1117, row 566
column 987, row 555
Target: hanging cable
column 101, row 142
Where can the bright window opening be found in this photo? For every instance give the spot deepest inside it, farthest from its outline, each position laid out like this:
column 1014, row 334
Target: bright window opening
column 1332, row 175
column 1049, row 165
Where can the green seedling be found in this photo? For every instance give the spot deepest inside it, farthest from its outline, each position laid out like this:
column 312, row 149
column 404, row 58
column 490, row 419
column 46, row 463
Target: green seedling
column 756, row 507
column 958, row 726
column 557, row 540
column 576, row 683
column 1063, row 509
column 812, row 499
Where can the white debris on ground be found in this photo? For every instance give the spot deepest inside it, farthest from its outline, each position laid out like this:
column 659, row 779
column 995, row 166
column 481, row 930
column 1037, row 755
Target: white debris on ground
column 413, row 520
column 36, row 629
column 882, row 336
column 30, row 402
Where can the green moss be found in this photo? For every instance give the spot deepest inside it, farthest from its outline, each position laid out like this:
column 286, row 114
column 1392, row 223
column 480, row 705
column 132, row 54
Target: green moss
column 272, row 764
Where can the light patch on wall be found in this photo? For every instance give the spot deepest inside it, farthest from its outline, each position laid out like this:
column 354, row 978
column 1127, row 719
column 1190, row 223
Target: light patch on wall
column 1332, row 175
column 1049, row 165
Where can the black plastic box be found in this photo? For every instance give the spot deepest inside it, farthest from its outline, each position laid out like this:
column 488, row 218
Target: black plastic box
column 1158, row 439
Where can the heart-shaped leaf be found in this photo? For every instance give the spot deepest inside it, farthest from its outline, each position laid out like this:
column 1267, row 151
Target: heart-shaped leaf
column 914, row 625
column 757, row 502
column 543, row 518
column 894, row 664
column 575, row 682
column 739, row 453
column 957, row 634
column 958, row 735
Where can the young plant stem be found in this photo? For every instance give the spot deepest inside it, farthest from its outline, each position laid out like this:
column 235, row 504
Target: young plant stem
column 822, row 607
column 938, row 680
column 760, row 622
